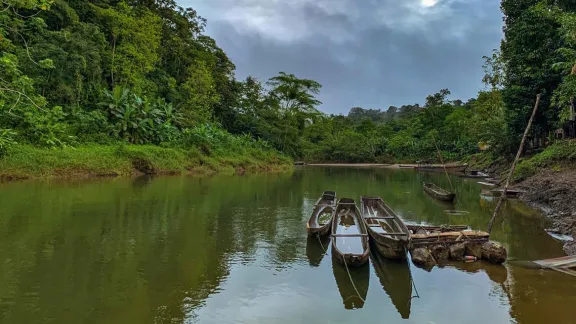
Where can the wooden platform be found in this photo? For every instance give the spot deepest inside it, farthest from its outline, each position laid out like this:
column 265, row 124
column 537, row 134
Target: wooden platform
column 565, row 264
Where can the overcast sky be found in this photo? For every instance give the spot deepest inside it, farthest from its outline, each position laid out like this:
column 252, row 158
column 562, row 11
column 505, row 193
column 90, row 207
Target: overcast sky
column 367, row 53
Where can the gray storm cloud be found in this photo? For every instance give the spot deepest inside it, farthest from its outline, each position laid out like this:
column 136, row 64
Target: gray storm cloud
column 367, row 53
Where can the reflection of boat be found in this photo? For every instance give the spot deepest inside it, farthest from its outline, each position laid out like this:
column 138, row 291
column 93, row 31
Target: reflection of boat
column 387, row 230
column 395, row 278
column 438, row 193
column 361, row 278
column 350, row 242
column 321, row 218
column 316, row 249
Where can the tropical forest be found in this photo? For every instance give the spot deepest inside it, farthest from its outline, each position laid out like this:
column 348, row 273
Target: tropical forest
column 101, row 87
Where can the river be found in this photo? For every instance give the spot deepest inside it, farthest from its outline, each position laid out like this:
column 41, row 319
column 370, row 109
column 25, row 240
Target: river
column 233, row 249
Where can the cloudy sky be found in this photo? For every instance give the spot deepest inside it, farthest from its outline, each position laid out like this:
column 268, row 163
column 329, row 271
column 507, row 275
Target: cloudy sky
column 367, row 53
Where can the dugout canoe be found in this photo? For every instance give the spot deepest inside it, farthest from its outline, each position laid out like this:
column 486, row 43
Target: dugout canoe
column 350, row 243
column 438, row 193
column 387, row 231
column 320, row 220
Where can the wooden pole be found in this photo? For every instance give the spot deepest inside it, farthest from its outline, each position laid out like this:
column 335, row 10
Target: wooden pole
column 444, row 165
column 503, row 197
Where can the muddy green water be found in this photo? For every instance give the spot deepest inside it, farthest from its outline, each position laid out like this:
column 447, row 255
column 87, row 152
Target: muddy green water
column 233, row 249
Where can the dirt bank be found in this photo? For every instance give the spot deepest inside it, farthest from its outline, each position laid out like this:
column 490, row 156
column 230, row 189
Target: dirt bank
column 554, row 192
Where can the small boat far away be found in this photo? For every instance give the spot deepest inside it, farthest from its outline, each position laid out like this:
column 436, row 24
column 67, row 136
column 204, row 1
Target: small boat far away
column 350, row 243
column 438, row 193
column 450, row 168
column 388, row 232
column 396, row 280
column 321, row 219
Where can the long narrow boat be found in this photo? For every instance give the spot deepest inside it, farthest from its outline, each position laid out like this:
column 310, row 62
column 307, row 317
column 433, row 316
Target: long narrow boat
column 321, row 219
column 456, row 168
column 387, row 230
column 474, row 174
column 395, row 278
column 350, row 243
column 438, row 193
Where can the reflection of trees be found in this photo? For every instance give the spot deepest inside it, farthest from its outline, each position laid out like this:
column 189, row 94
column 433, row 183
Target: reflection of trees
column 128, row 250
column 123, row 251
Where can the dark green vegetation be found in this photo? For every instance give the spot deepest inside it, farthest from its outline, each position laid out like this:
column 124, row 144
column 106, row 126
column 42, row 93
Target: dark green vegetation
column 182, row 249
column 556, row 157
column 84, row 75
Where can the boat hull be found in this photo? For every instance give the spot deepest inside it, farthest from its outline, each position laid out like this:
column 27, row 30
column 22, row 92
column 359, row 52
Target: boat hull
column 346, row 209
column 326, row 203
column 389, row 250
column 390, row 244
column 449, row 169
column 351, row 260
column 444, row 197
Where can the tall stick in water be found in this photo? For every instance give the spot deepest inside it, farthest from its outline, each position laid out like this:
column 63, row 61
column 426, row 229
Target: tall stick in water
column 442, row 161
column 503, row 196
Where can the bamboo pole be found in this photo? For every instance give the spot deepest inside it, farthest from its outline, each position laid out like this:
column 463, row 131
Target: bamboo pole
column 503, row 197
column 442, row 161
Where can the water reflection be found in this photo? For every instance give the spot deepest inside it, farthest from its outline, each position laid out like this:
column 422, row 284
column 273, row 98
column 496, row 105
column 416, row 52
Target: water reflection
column 316, row 247
column 228, row 249
column 352, row 283
column 396, row 280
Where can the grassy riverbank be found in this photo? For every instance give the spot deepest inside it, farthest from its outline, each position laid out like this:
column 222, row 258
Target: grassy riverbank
column 23, row 162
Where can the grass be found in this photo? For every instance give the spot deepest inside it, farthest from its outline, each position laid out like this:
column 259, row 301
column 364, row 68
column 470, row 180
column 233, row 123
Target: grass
column 555, row 157
column 22, row 161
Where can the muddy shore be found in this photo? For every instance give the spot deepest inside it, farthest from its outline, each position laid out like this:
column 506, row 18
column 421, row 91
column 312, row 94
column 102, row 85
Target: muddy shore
column 554, row 192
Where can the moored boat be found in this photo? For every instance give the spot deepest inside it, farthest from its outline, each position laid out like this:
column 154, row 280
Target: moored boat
column 450, row 168
column 438, row 193
column 321, row 219
column 350, row 243
column 395, row 278
column 388, row 232
column 474, row 174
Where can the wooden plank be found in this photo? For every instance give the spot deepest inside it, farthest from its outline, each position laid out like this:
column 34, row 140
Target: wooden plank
column 447, row 228
column 464, row 234
column 379, row 217
column 567, row 261
column 348, row 235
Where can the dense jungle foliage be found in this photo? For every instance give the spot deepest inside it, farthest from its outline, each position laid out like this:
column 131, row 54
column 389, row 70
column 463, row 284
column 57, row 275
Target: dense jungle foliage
column 106, row 72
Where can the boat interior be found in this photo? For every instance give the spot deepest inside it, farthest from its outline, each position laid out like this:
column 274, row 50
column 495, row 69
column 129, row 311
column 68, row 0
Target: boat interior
column 348, row 225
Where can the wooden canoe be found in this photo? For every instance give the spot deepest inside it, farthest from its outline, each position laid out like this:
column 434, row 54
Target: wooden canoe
column 474, row 174
column 510, row 193
column 394, row 276
column 353, row 294
column 456, row 168
column 438, row 193
column 350, row 243
column 321, row 219
column 388, row 232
